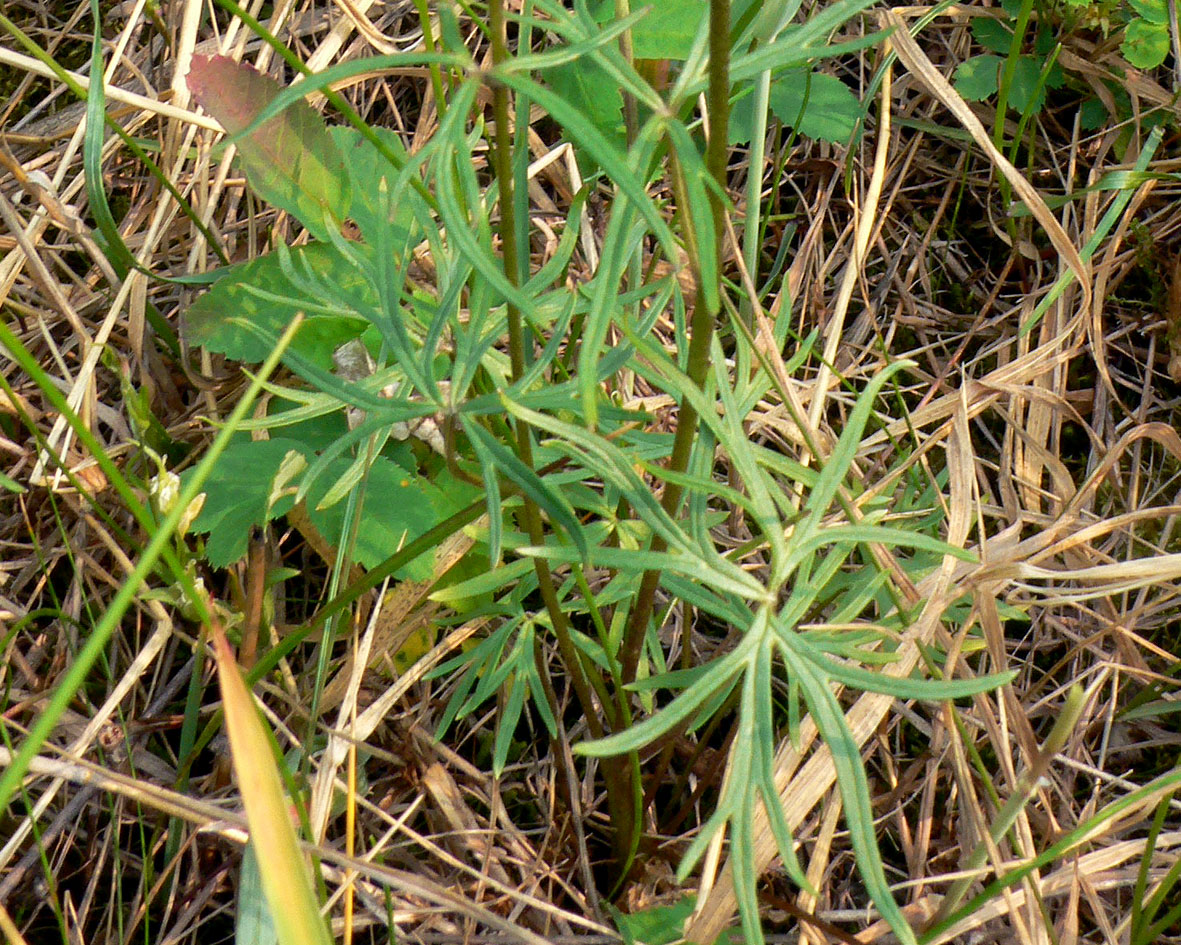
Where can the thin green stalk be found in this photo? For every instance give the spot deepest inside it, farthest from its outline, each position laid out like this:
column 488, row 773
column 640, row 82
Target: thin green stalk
column 354, row 506
column 502, row 159
column 622, row 790
column 1002, row 102
column 631, row 125
column 1010, row 71
column 631, row 116
column 751, row 230
column 428, row 41
column 703, row 320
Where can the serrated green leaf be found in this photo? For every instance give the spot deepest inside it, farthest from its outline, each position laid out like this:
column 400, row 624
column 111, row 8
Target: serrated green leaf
column 367, row 169
column 820, row 106
column 1154, row 11
column 334, row 298
column 976, row 78
column 992, row 34
column 1145, row 45
column 1027, row 94
column 237, row 495
column 399, row 506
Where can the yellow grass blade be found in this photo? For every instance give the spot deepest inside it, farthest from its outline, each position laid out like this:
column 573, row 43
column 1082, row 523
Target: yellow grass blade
column 286, row 880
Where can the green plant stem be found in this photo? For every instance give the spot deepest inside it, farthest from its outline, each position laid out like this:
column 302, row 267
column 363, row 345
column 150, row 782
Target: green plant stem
column 502, row 158
column 622, row 789
column 631, row 116
column 702, row 322
column 631, row 126
column 1002, row 103
column 1010, row 71
column 428, row 41
column 751, row 230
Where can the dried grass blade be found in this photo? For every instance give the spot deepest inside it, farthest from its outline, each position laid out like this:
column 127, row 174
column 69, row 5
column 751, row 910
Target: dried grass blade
column 917, row 62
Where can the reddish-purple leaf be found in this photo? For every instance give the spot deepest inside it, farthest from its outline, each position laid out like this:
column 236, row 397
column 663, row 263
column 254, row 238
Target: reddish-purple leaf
column 291, row 159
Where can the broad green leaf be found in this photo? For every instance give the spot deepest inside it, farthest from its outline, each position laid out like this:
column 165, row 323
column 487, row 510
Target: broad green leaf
column 976, row 79
column 245, row 491
column 588, row 87
column 367, row 169
column 1093, row 114
column 291, row 160
column 656, row 925
column 816, row 104
column 238, row 493
column 992, row 34
column 1154, row 11
column 1145, row 45
column 329, row 290
column 665, row 32
column 1027, row 94
column 399, row 506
